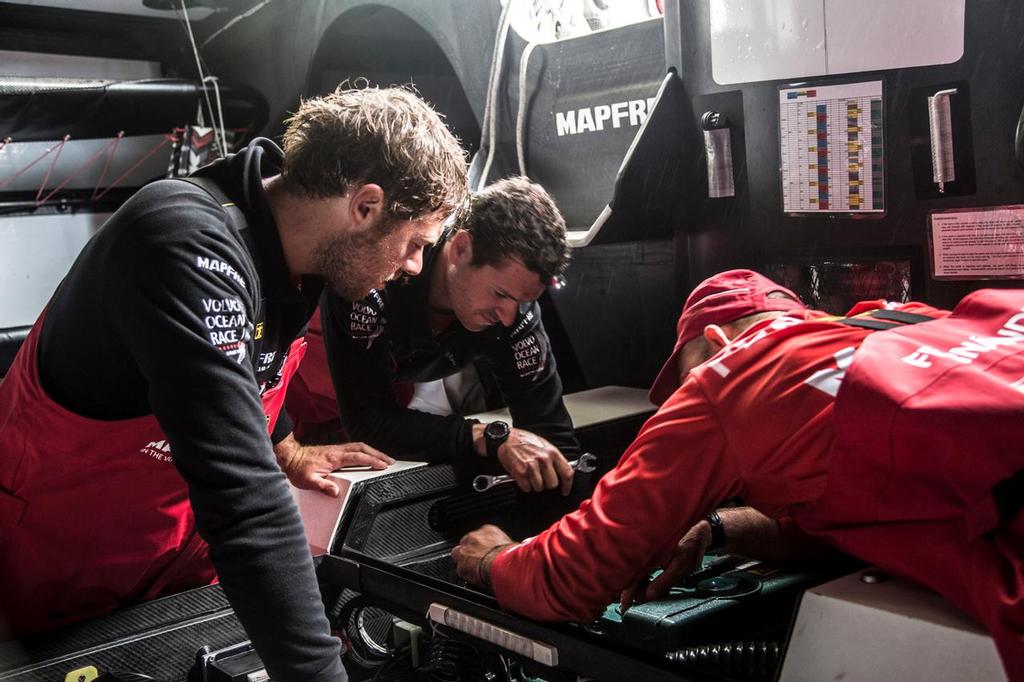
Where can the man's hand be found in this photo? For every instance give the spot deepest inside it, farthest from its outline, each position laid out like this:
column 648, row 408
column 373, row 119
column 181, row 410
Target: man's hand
column 307, row 466
column 748, row 533
column 533, row 462
column 689, row 552
column 476, row 551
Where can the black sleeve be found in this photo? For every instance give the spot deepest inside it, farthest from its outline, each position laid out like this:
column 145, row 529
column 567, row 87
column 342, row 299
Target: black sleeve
column 362, row 368
column 207, row 401
column 527, row 377
column 282, row 428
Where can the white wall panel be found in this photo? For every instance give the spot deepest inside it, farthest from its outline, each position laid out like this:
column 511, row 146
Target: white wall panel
column 757, row 40
column 893, row 34
column 35, row 254
column 41, row 64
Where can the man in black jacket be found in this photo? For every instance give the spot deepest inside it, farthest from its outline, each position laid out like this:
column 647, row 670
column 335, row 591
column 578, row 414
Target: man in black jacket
column 143, row 407
column 475, row 301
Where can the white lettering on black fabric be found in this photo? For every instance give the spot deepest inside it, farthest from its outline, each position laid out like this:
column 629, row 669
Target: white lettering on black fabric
column 223, row 305
column 227, row 325
column 591, row 119
column 265, row 361
column 365, row 321
column 216, row 265
column 528, row 355
column 523, row 323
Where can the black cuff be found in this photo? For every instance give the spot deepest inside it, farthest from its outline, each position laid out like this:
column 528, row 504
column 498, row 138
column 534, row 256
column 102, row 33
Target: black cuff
column 465, row 438
column 282, row 428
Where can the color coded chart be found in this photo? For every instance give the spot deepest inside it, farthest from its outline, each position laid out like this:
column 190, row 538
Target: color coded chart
column 831, row 148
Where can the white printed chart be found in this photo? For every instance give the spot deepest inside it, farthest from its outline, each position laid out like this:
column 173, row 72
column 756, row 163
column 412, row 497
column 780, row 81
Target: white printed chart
column 831, row 148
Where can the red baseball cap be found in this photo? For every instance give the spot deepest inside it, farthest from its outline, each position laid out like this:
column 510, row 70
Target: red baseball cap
column 719, row 299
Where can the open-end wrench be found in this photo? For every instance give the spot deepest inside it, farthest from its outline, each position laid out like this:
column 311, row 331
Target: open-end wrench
column 585, row 464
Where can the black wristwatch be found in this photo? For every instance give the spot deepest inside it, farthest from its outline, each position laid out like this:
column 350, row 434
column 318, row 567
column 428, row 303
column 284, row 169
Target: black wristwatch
column 495, row 434
column 717, row 531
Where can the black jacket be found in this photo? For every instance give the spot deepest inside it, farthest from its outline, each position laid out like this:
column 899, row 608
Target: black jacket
column 386, row 337
column 172, row 310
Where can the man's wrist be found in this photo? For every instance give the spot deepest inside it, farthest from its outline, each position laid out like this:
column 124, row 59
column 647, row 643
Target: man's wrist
column 487, row 560
column 496, row 434
column 479, row 444
column 751, row 533
column 286, row 451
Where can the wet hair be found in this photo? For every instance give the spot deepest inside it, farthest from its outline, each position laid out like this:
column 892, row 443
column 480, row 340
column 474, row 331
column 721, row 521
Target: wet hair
column 517, row 218
column 386, row 136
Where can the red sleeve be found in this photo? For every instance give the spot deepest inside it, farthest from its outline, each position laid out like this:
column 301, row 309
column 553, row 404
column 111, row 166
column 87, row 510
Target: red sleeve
column 803, row 547
column 673, row 474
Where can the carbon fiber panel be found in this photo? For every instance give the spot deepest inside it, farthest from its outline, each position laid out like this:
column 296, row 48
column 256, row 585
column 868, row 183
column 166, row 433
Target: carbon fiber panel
column 158, row 638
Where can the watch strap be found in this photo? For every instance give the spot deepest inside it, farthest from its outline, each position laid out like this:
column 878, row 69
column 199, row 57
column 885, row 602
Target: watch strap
column 492, row 443
column 717, row 530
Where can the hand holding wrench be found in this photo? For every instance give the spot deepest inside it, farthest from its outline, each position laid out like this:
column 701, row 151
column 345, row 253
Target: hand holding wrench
column 585, row 464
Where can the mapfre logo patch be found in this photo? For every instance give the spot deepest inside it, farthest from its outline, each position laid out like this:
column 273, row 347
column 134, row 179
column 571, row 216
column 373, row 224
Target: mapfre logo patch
column 159, row 450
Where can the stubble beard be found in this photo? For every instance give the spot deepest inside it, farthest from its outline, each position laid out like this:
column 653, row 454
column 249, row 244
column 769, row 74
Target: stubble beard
column 352, row 265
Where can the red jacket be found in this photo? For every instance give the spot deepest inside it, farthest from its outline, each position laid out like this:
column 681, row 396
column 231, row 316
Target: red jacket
column 755, row 421
column 929, row 423
column 899, row 472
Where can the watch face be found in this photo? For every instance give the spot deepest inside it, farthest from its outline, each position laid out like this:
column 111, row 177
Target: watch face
column 497, row 430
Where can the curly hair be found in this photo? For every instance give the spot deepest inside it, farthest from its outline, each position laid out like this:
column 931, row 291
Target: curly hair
column 386, row 136
column 517, row 218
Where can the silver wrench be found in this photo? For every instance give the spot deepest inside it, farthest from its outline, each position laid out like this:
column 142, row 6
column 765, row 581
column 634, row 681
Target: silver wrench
column 585, row 464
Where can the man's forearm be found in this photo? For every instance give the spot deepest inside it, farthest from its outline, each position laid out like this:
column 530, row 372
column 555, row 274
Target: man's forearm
column 750, row 533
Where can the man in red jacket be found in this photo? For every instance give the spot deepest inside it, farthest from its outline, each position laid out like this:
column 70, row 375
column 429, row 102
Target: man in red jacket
column 857, row 436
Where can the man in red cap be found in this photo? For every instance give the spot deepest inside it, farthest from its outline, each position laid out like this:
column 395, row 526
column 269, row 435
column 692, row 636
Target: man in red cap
column 753, row 409
column 731, row 296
